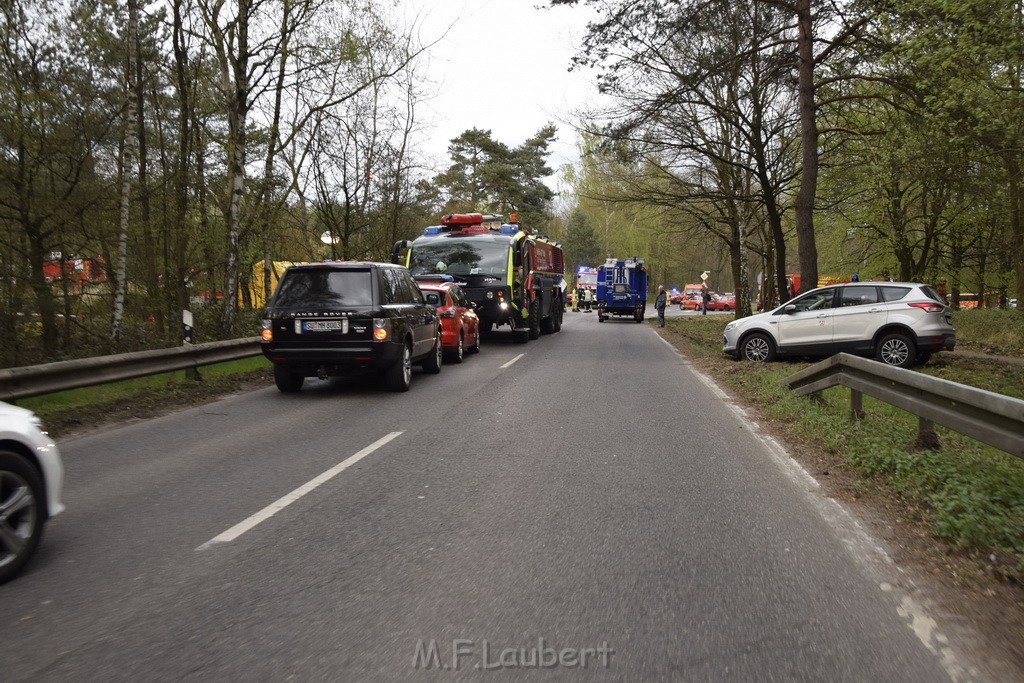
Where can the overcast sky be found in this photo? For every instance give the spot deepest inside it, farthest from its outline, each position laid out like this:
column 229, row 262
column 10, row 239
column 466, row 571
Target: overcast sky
column 503, row 66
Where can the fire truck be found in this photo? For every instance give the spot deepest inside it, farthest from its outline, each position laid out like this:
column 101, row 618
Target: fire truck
column 586, row 281
column 622, row 289
column 511, row 276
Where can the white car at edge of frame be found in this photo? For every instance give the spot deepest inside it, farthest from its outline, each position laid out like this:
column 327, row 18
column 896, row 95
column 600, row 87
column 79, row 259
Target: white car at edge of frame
column 31, row 482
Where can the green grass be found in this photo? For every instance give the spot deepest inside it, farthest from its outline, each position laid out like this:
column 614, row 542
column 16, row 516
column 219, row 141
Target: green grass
column 64, row 409
column 970, row 495
column 990, row 329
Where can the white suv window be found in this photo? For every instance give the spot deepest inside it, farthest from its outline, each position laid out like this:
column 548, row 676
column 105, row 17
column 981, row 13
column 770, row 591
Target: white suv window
column 815, row 301
column 858, row 295
column 890, row 293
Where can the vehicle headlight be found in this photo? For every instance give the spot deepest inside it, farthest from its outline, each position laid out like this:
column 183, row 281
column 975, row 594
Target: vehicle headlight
column 489, row 295
column 730, row 326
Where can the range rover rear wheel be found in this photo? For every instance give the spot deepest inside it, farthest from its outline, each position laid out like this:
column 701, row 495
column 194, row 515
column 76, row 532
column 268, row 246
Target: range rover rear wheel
column 432, row 363
column 286, row 380
column 399, row 376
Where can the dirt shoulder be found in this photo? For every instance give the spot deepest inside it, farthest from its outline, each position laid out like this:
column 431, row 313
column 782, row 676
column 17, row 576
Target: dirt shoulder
column 977, row 595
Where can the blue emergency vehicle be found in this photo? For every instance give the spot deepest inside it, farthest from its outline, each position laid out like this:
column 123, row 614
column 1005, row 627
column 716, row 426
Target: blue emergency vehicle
column 622, row 289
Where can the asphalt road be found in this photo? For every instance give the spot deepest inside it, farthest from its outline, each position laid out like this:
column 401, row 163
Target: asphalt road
column 583, row 499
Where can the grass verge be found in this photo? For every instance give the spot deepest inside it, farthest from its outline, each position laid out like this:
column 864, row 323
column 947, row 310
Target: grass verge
column 74, row 410
column 969, row 495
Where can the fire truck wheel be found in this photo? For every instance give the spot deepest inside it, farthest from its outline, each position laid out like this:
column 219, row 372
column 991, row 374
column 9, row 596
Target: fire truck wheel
column 556, row 316
column 535, row 319
column 547, row 325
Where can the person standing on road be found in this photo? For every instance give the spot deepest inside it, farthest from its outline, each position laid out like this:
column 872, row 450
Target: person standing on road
column 705, row 297
column 659, row 305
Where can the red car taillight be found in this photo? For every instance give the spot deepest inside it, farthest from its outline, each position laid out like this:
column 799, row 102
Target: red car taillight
column 928, row 307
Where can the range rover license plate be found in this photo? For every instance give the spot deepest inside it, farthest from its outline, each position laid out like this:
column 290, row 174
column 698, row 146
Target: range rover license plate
column 323, row 326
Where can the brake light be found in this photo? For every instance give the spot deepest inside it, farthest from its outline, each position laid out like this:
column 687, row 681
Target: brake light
column 266, row 333
column 380, row 330
column 928, row 306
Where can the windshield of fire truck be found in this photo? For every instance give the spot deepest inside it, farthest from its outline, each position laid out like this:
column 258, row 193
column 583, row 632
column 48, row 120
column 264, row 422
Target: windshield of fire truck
column 460, row 257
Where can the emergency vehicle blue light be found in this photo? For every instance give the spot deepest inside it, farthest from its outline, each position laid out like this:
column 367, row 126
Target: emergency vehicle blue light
column 432, row 230
column 507, row 229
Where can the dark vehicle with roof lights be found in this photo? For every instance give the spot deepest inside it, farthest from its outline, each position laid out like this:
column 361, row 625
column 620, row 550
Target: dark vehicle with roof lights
column 514, row 277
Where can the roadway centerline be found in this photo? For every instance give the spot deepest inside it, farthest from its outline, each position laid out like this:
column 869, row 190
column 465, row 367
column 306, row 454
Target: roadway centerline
column 283, row 502
column 512, row 361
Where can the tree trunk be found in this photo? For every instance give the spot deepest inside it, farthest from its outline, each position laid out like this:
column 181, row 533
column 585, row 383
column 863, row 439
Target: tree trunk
column 127, row 162
column 809, row 141
column 236, row 83
column 268, row 163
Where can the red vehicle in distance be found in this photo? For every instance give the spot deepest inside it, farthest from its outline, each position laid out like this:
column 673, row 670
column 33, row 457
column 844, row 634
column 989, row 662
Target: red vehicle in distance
column 722, row 302
column 460, row 325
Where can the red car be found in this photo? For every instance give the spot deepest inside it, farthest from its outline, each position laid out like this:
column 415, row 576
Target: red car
column 460, row 325
column 722, row 302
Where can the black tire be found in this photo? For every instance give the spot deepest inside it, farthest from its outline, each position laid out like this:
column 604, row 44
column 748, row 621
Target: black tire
column 287, row 381
column 725, row 308
column 547, row 325
column 399, row 376
column 535, row 319
column 758, row 348
column 557, row 311
column 475, row 348
column 21, row 488
column 432, row 363
column 896, row 349
column 600, row 318
column 459, row 352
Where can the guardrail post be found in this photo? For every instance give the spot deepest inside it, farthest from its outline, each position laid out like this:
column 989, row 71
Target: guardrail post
column 187, row 339
column 856, row 405
column 927, row 439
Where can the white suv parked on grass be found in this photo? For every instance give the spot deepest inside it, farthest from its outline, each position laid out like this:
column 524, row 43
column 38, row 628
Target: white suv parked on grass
column 898, row 323
column 31, row 479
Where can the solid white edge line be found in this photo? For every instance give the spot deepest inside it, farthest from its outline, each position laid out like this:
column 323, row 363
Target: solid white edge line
column 512, row 361
column 865, row 549
column 283, row 502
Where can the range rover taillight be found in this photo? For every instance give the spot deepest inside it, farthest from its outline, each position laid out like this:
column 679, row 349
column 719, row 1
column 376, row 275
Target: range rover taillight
column 266, row 333
column 380, row 330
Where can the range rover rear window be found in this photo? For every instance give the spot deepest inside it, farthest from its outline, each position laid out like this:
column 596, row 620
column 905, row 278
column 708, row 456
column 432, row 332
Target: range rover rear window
column 325, row 287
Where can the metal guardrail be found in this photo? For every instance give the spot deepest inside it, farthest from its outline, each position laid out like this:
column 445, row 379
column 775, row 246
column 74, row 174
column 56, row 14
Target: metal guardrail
column 989, row 417
column 35, row 380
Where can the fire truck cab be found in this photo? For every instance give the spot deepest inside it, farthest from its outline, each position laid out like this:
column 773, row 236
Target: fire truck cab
column 514, row 277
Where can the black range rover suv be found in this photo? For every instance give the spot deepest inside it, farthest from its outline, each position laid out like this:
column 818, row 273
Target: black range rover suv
column 340, row 318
